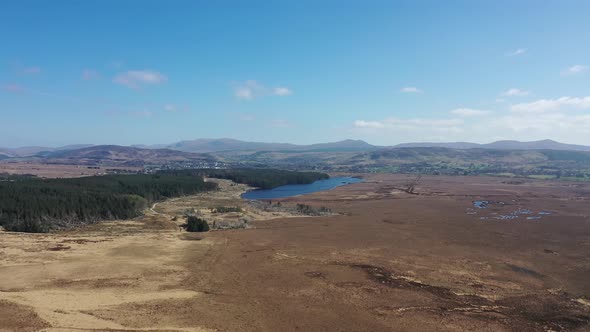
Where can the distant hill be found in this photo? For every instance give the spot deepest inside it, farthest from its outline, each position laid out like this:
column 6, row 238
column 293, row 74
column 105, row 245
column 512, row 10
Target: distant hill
column 24, row 151
column 121, row 155
column 536, row 145
column 28, row 151
column 346, row 145
column 450, row 145
column 227, row 144
column 221, row 145
column 503, row 145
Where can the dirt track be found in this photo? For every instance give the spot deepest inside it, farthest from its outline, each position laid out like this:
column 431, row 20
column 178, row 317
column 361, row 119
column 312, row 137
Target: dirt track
column 391, row 262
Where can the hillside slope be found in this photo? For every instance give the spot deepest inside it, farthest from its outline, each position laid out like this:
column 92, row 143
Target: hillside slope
column 122, row 156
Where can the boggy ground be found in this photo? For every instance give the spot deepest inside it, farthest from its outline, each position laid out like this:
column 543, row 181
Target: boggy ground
column 392, row 261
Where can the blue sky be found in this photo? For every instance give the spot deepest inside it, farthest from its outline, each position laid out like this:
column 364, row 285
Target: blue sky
column 146, row 72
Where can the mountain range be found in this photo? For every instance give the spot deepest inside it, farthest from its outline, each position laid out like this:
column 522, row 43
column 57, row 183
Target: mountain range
column 229, row 145
column 503, row 145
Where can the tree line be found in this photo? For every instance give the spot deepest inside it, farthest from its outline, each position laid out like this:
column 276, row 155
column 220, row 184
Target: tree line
column 38, row 205
column 263, row 178
column 30, row 204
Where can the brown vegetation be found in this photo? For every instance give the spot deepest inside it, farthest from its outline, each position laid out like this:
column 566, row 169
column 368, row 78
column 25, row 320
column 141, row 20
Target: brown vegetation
column 389, row 261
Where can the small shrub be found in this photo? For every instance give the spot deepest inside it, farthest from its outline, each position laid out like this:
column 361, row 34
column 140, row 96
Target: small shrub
column 194, row 224
column 226, row 209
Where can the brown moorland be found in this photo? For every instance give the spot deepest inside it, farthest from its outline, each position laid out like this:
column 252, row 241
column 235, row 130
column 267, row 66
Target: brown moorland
column 390, row 261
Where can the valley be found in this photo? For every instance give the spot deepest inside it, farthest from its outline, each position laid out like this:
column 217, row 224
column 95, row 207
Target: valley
column 387, row 260
column 543, row 159
column 294, row 166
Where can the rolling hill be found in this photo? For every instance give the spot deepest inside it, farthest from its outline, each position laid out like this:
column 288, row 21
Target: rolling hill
column 116, row 155
column 28, row 151
column 227, row 144
column 205, row 145
column 502, row 145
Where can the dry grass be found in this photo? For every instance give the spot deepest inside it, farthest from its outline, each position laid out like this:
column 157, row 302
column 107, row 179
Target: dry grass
column 389, row 262
column 55, row 170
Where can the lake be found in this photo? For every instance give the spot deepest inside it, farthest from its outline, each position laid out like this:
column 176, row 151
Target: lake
column 300, row 189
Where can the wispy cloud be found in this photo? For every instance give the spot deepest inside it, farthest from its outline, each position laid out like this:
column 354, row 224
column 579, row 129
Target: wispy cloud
column 410, row 89
column 280, row 124
column 89, row 74
column 516, row 52
column 282, row 91
column 468, row 112
column 117, row 112
column 141, row 114
column 23, row 69
column 136, row 78
column 369, row 124
column 16, row 88
column 574, row 70
column 250, row 90
column 409, row 124
column 13, row 88
column 566, row 119
column 547, row 105
column 32, row 70
column 116, row 64
column 514, row 92
column 172, row 108
column 542, row 125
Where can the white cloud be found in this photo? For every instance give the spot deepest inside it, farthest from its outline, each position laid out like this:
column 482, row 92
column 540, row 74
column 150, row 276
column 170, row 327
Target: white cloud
column 393, row 130
column 410, row 89
column 563, row 119
column 514, row 92
column 136, row 78
column 573, row 70
column 414, row 123
column 248, row 90
column 468, row 112
column 251, row 89
column 546, row 105
column 89, row 74
column 368, row 124
column 534, row 126
column 519, row 51
column 282, row 91
column 170, row 108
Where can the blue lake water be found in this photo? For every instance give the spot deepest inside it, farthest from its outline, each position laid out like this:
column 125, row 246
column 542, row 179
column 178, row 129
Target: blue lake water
column 299, row 189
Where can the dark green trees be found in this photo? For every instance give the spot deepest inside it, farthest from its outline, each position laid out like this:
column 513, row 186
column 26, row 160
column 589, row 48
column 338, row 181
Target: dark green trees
column 29, row 204
column 194, row 224
column 257, row 177
column 37, row 205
